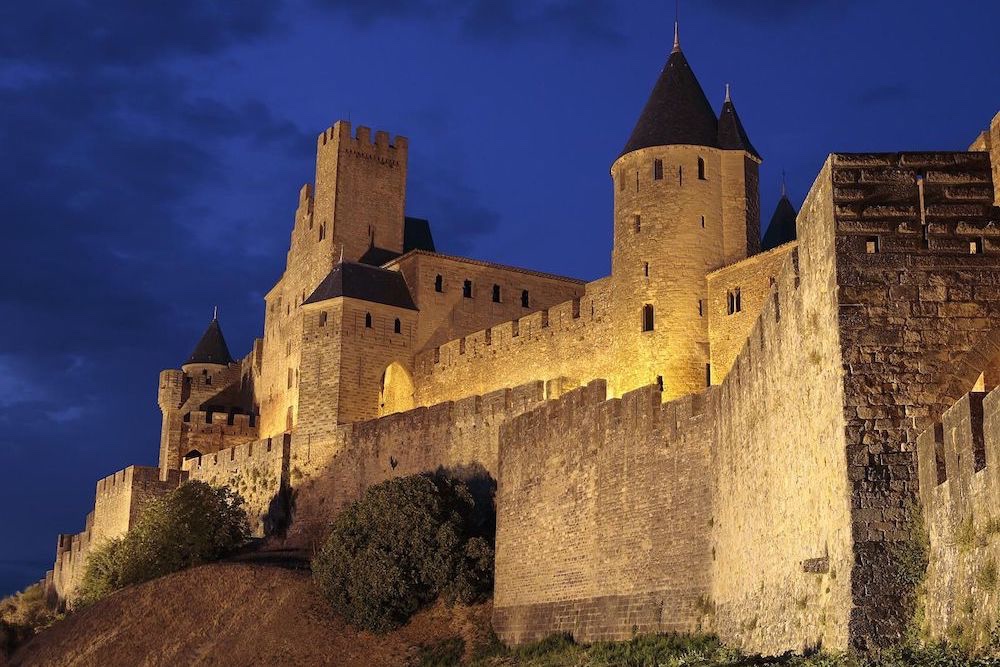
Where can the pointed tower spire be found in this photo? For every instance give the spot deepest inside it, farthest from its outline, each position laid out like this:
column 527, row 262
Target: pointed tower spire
column 781, row 229
column 212, row 348
column 784, row 187
column 732, row 135
column 677, row 27
column 677, row 111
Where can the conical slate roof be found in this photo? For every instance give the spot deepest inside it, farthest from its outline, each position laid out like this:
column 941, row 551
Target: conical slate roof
column 677, row 111
column 781, row 229
column 732, row 136
column 212, row 348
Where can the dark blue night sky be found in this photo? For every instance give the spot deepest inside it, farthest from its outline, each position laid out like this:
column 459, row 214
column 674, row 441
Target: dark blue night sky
column 151, row 155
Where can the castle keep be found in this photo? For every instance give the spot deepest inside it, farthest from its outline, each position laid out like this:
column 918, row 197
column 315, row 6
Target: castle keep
column 717, row 436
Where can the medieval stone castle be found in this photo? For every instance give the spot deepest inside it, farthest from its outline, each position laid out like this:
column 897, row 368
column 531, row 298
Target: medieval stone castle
column 717, row 436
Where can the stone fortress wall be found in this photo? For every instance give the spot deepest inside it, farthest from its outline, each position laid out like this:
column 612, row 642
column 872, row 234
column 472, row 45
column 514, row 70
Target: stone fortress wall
column 960, row 493
column 709, row 438
column 118, row 500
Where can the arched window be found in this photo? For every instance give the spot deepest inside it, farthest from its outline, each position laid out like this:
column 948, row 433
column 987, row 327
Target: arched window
column 467, row 289
column 525, row 302
column 397, row 326
column 439, row 283
column 657, row 170
column 701, row 169
column 368, row 320
column 496, row 294
column 647, row 317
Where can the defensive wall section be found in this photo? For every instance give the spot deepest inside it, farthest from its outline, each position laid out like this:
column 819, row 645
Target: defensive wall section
column 959, row 460
column 725, row 511
column 118, row 500
column 554, row 344
column 604, row 517
column 918, row 271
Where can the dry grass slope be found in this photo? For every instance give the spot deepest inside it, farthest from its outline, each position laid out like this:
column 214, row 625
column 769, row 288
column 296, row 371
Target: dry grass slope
column 235, row 614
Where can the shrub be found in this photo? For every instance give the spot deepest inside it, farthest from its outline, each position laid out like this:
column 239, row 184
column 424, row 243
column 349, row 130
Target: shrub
column 405, row 543
column 22, row 615
column 193, row 524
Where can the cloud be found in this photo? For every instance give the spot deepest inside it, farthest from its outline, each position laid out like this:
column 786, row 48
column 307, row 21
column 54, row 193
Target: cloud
column 770, row 11
column 582, row 21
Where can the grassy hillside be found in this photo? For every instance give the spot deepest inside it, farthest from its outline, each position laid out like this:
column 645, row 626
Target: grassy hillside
column 237, row 614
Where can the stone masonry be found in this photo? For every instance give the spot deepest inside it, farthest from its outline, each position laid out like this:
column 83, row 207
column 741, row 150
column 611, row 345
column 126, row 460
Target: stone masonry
column 711, row 438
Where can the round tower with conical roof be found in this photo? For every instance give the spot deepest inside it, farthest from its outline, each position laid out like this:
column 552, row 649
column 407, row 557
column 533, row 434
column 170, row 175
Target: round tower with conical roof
column 686, row 203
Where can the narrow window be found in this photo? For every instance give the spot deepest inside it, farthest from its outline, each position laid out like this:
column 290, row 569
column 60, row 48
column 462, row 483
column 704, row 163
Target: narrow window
column 680, row 175
column 701, row 308
column 322, row 319
column 368, row 320
column 659, row 382
column 397, row 326
column 657, row 170
column 637, row 223
column 496, row 294
column 647, row 317
column 976, row 247
column 703, row 222
column 439, row 283
column 524, row 299
column 288, row 348
column 636, row 180
column 708, row 375
column 645, row 269
column 322, row 231
column 871, row 245
column 701, row 169
column 467, row 289
column 735, row 301
column 290, row 376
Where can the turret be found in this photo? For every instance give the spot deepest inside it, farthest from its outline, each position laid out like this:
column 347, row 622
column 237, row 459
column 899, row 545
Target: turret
column 781, row 229
column 686, row 203
column 211, row 354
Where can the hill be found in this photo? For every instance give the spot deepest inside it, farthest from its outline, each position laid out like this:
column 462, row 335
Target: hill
column 236, row 614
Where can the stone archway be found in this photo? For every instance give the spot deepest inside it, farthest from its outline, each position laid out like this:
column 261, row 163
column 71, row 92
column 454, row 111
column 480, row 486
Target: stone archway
column 396, row 391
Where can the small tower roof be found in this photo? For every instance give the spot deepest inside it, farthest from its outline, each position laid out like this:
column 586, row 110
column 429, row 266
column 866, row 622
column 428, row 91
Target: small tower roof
column 212, row 348
column 732, row 136
column 677, row 111
column 781, row 229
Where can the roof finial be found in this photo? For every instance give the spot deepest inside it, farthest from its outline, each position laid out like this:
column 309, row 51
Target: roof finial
column 728, row 97
column 215, row 313
column 677, row 27
column 784, row 188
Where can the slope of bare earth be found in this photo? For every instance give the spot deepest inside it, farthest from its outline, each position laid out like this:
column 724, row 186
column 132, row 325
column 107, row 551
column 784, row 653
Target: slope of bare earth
column 236, row 614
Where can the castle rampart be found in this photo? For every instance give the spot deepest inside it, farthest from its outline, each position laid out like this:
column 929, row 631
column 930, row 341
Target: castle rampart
column 604, row 515
column 959, row 465
column 118, row 500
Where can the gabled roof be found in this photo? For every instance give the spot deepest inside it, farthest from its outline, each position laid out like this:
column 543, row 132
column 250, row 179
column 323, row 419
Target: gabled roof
column 781, row 229
column 364, row 282
column 212, row 348
column 677, row 111
column 732, row 136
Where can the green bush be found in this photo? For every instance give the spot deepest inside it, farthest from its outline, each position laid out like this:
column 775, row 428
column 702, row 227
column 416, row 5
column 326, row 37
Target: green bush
column 195, row 523
column 405, row 543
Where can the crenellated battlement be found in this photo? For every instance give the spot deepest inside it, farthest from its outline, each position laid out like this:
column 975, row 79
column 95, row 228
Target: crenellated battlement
column 361, row 144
